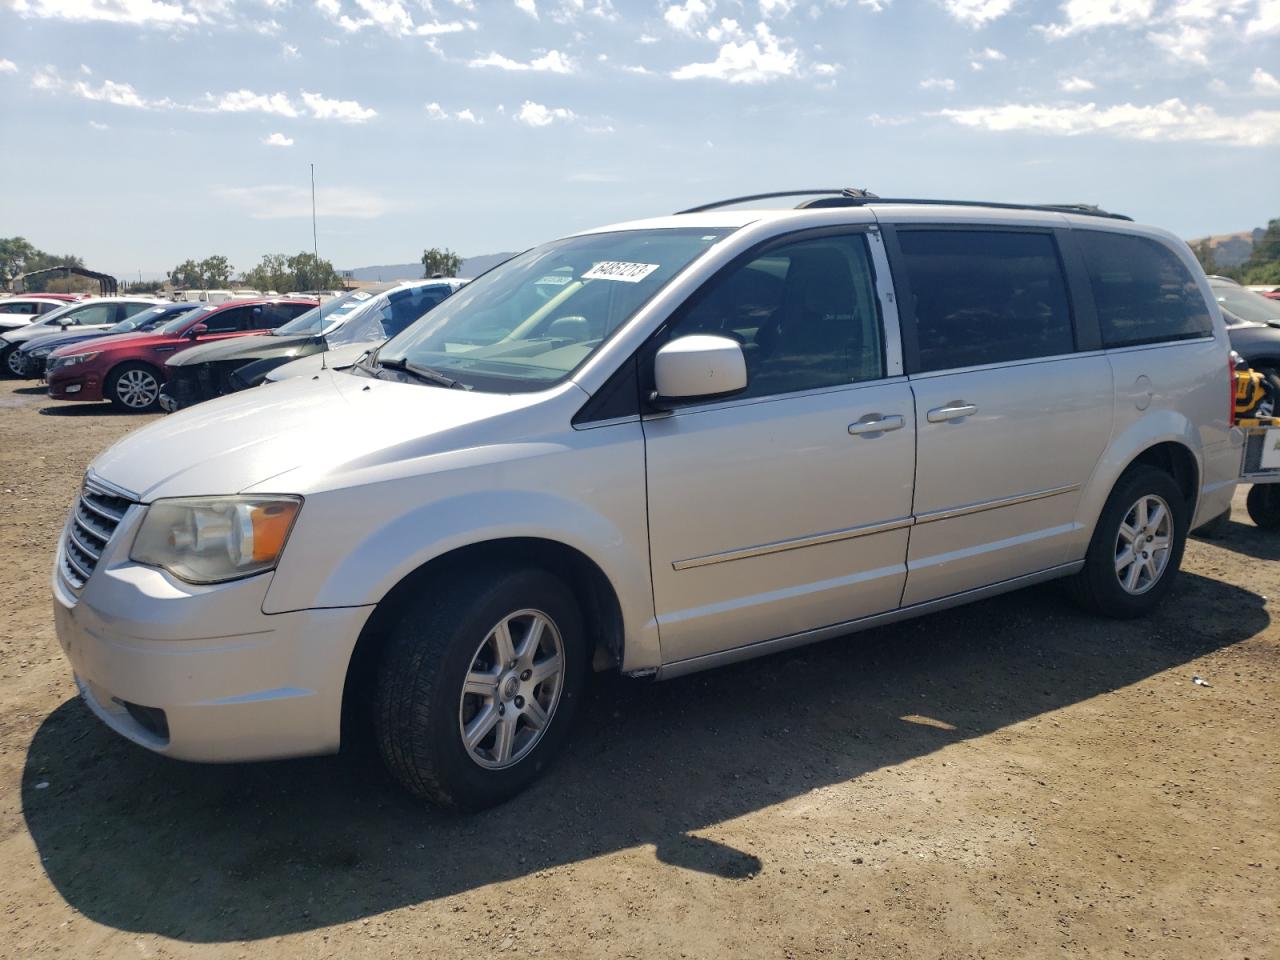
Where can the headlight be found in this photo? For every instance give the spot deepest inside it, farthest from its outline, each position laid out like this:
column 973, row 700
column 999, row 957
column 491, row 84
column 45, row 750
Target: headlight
column 78, row 358
column 213, row 539
column 41, row 351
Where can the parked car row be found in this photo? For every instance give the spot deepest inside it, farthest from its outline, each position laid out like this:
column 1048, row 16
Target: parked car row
column 126, row 349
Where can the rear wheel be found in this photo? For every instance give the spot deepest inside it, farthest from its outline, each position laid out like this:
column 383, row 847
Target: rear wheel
column 134, row 387
column 1136, row 548
column 1263, row 504
column 478, row 685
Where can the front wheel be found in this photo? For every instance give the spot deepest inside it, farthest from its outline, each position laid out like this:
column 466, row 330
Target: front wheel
column 1263, row 504
column 134, row 387
column 478, row 685
column 1136, row 548
column 11, row 364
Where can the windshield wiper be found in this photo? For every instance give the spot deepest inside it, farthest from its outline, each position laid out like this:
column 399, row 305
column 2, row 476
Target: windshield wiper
column 426, row 374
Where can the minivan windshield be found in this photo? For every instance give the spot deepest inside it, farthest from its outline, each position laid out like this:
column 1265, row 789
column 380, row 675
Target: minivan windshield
column 325, row 317
column 535, row 319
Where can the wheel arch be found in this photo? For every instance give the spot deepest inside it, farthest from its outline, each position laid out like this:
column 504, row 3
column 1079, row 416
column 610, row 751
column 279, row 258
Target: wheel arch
column 597, row 599
column 132, row 362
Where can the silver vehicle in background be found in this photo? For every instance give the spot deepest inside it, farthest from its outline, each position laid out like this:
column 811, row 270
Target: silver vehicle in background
column 653, row 448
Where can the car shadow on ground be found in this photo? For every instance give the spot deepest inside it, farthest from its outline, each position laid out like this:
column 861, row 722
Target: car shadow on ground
column 242, row 852
column 85, row 410
column 1249, row 540
column 31, row 391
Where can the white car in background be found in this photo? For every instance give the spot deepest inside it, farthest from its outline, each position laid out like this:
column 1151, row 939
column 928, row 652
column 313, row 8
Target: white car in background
column 19, row 311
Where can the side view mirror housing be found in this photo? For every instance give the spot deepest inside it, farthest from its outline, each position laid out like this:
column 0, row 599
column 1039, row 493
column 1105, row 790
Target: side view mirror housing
column 697, row 367
column 195, row 331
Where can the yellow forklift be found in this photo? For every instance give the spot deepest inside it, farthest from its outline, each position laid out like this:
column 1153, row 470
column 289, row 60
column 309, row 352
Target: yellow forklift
column 1257, row 411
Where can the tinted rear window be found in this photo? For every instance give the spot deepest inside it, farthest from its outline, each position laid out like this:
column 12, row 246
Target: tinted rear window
column 1143, row 292
column 985, row 296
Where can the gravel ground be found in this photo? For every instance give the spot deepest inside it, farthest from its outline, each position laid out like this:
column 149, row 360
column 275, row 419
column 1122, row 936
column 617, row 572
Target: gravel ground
column 1012, row 779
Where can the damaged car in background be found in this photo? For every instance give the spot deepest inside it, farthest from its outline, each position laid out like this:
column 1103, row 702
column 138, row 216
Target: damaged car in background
column 361, row 319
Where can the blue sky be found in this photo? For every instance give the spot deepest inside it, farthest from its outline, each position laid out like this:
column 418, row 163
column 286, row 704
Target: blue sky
column 142, row 132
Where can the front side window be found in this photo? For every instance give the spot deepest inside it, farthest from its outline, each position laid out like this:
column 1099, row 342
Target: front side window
column 985, row 296
column 805, row 312
column 235, row 318
column 93, row 314
column 1144, row 294
column 532, row 321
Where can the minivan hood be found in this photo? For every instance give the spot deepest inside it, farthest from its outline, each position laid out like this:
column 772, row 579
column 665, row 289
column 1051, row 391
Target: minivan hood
column 326, row 423
column 246, row 348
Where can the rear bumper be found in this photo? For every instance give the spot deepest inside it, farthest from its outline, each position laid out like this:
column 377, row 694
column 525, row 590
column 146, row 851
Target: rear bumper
column 196, row 676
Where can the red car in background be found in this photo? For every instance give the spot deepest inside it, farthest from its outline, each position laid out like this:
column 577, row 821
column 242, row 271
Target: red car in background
column 129, row 369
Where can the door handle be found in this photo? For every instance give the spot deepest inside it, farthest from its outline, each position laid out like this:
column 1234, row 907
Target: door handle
column 875, row 423
column 952, row 411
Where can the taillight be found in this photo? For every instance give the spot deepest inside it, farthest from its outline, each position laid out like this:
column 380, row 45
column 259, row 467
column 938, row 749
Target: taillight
column 1231, row 379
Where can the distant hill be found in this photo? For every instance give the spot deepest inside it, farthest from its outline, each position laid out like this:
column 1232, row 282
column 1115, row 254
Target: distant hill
column 1231, row 249
column 471, row 267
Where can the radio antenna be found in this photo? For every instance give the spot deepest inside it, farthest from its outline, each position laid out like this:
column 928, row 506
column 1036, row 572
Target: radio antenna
column 315, row 248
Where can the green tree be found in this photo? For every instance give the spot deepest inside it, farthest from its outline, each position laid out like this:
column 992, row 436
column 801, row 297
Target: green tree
column 283, row 273
column 1263, row 265
column 215, row 271
column 440, row 263
column 186, row 274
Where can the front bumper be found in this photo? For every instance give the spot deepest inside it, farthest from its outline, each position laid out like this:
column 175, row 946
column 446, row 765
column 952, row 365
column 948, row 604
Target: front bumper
column 33, row 368
column 208, row 676
column 78, row 386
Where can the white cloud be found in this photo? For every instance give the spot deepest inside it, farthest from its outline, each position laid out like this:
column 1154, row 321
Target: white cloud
column 289, row 51
column 246, row 101
column 95, row 125
column 1170, row 120
column 977, row 13
column 776, row 8
column 826, row 69
column 758, row 60
column 344, row 111
column 390, row 15
column 536, row 115
column 436, row 112
column 636, row 69
column 979, row 60
column 278, row 140
column 1082, row 15
column 1184, row 43
column 726, row 29
column 1265, row 83
column 466, row 116
column 528, row 6
column 553, row 61
column 8, row 66
column 646, row 39
column 49, row 80
column 283, row 202
column 688, row 16
column 136, row 12
column 938, row 83
column 1267, row 20
column 1076, row 85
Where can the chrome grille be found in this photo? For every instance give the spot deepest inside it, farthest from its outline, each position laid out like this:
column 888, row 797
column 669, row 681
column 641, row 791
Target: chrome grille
column 97, row 513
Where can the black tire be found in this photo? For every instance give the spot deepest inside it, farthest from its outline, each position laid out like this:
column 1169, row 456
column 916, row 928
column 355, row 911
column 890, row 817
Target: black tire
column 1263, row 504
column 418, row 697
column 122, row 387
column 4, row 361
column 1097, row 587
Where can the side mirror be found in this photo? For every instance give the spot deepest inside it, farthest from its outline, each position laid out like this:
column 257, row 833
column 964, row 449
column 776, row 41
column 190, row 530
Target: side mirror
column 63, row 324
column 195, row 331
column 699, row 366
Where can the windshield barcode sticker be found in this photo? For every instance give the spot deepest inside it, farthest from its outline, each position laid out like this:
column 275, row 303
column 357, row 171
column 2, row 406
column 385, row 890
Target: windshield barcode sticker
column 620, row 270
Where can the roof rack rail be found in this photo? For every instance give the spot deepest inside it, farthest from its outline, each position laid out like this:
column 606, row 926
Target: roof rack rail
column 854, row 197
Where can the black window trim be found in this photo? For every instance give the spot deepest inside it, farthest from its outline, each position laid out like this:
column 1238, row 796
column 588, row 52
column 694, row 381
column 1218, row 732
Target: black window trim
column 1080, row 312
column 639, row 365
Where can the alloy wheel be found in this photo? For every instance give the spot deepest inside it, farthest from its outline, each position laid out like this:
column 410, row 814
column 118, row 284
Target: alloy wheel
column 511, row 689
column 137, row 389
column 1144, row 544
column 15, row 363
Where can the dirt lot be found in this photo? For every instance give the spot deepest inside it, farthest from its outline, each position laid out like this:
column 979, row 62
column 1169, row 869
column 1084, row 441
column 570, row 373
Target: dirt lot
column 1013, row 779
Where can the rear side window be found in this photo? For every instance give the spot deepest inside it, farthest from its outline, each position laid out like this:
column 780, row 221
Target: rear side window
column 1144, row 294
column 984, row 296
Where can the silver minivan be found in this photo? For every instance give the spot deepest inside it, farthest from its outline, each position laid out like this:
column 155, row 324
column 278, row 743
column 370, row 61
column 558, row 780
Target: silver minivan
column 652, row 448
